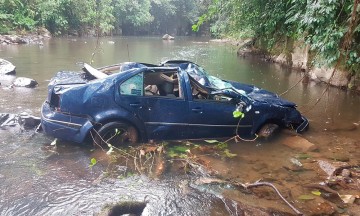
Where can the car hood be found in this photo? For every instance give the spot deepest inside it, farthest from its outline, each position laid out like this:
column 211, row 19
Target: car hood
column 257, row 94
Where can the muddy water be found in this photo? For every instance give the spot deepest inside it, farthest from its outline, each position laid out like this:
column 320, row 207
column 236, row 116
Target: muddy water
column 39, row 179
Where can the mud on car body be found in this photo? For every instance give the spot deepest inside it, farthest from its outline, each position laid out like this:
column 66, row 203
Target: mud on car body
column 173, row 100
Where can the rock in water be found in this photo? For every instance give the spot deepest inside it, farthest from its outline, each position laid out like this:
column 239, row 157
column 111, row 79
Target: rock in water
column 25, row 82
column 28, row 121
column 168, row 37
column 6, row 67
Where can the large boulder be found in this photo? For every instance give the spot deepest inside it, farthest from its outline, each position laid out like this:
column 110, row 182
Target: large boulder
column 25, row 82
column 168, row 37
column 328, row 75
column 6, row 67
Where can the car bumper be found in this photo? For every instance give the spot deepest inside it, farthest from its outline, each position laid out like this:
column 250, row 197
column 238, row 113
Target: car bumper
column 64, row 126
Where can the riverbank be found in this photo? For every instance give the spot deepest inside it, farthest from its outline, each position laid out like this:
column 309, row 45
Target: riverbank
column 36, row 37
column 298, row 56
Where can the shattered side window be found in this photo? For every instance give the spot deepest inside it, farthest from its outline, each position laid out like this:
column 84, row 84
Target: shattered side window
column 133, row 86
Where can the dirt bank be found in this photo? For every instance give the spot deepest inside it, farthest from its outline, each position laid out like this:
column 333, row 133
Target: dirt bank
column 297, row 55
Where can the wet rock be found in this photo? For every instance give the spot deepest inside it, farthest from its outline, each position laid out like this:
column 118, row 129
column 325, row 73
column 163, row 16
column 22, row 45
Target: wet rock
column 345, row 173
column 44, row 32
column 3, row 117
column 168, row 37
column 123, row 208
column 23, row 120
column 8, row 120
column 330, row 167
column 28, row 121
column 299, row 143
column 323, row 74
column 36, row 38
column 25, row 82
column 6, row 67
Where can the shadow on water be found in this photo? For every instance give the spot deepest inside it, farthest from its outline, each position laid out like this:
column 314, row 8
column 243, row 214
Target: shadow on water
column 37, row 178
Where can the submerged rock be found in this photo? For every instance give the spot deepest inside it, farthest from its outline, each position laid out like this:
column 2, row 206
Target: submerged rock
column 25, row 82
column 299, row 143
column 6, row 67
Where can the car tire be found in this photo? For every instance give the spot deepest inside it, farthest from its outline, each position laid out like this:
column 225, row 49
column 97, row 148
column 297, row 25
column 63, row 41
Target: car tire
column 117, row 134
column 268, row 130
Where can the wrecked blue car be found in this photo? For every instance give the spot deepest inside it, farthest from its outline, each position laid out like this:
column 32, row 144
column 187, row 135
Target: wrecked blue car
column 137, row 102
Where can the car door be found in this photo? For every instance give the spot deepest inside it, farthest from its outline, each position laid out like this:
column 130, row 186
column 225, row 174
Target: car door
column 211, row 118
column 162, row 115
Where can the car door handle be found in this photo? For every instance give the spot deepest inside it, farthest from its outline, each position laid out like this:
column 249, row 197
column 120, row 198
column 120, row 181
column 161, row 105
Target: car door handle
column 135, row 105
column 197, row 110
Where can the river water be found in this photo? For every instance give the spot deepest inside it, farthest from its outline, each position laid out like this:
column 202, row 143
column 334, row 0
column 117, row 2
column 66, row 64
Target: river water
column 38, row 179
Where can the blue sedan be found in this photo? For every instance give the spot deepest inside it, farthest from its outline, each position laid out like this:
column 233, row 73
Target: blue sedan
column 170, row 101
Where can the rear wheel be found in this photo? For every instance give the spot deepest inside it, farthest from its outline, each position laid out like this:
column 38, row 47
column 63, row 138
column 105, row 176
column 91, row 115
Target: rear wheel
column 117, row 134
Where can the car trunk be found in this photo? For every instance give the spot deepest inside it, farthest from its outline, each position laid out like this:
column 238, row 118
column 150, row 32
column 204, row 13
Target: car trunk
column 63, row 81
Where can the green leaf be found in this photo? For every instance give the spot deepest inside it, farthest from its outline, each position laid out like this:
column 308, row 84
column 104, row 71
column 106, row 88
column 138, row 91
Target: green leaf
column 211, row 141
column 229, row 154
column 181, row 149
column 317, row 193
column 238, row 114
column 303, row 156
column 306, row 197
column 92, row 162
column 222, row 145
column 172, row 154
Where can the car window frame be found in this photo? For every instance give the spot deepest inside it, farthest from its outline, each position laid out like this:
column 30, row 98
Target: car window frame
column 143, row 88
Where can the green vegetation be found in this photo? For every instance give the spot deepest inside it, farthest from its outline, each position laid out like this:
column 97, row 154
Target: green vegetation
column 105, row 17
column 330, row 27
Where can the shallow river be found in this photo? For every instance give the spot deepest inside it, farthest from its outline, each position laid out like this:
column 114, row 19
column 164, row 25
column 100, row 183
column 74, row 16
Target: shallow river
column 38, row 179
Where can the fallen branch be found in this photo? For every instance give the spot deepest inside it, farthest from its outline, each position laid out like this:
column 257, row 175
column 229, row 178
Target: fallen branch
column 200, row 168
column 258, row 184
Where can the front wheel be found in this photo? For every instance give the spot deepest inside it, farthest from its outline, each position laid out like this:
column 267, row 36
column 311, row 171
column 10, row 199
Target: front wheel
column 268, row 130
column 117, row 134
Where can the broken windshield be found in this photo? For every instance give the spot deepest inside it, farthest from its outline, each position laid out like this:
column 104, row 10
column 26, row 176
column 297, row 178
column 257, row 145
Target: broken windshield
column 202, row 77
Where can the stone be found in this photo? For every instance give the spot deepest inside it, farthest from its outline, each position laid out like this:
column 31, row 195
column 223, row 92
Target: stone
column 22, row 120
column 168, row 37
column 330, row 167
column 3, row 117
column 6, row 67
column 300, row 57
column 323, row 74
column 299, row 143
column 25, row 82
column 28, row 121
